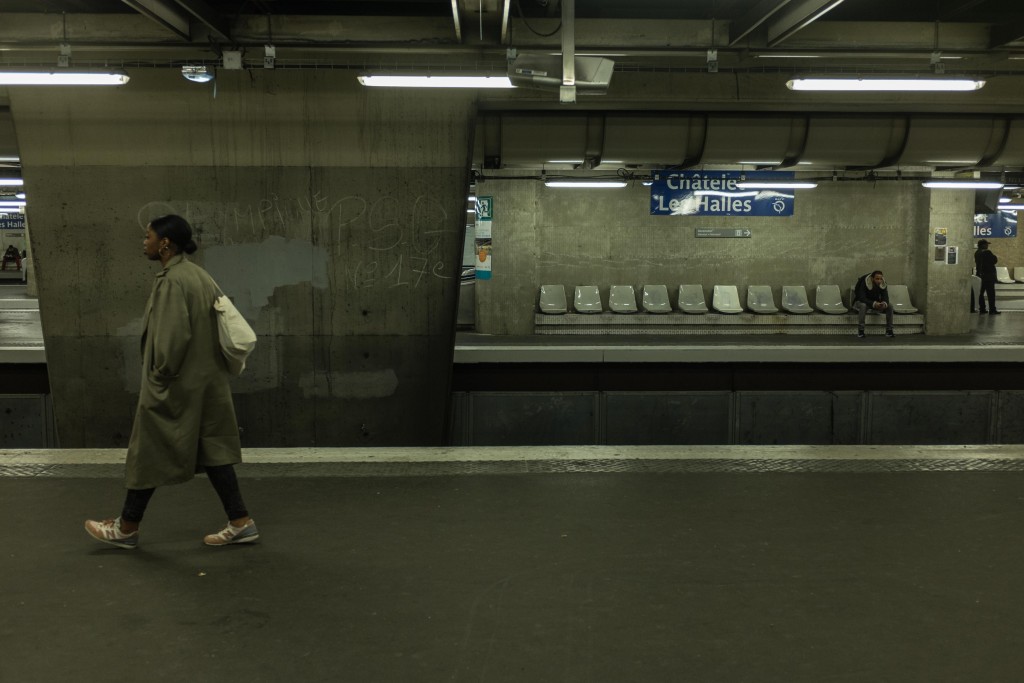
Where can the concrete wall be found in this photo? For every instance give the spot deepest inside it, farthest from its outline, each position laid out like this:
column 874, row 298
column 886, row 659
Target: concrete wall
column 333, row 215
column 838, row 232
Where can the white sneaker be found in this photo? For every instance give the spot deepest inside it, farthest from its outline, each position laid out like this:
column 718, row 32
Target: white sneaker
column 109, row 531
column 234, row 534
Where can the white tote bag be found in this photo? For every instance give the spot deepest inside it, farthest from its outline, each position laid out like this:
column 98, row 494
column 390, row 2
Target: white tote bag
column 237, row 340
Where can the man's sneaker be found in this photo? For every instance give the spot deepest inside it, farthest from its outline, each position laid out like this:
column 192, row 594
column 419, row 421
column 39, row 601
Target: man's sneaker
column 890, row 333
column 234, row 534
column 860, row 333
column 995, row 313
column 109, row 531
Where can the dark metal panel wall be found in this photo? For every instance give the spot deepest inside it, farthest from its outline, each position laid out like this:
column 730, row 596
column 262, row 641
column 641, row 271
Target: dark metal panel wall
column 645, row 418
column 26, row 421
column 749, row 418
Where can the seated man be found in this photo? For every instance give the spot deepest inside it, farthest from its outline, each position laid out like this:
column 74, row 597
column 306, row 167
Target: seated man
column 870, row 292
column 12, row 255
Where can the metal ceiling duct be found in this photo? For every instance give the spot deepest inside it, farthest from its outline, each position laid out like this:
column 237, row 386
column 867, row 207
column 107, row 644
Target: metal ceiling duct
column 836, row 141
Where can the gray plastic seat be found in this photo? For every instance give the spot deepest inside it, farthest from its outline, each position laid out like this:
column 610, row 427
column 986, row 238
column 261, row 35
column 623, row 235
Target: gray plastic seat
column 726, row 299
column 761, row 300
column 794, row 299
column 655, row 299
column 552, row 299
column 1018, row 274
column 899, row 297
column 622, row 299
column 587, row 299
column 691, row 299
column 827, row 299
column 1003, row 275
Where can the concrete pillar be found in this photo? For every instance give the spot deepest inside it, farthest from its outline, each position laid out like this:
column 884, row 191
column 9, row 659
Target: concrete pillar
column 333, row 214
column 946, row 301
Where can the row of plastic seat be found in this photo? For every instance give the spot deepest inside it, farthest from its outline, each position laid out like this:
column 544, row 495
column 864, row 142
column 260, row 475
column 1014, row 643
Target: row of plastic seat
column 725, row 299
column 1003, row 275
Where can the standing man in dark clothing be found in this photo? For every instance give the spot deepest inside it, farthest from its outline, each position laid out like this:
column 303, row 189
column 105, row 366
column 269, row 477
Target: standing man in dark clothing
column 870, row 292
column 985, row 268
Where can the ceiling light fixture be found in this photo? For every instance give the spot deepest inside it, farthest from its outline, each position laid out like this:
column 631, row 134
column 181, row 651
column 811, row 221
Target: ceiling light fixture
column 436, row 81
column 60, row 77
column 593, row 184
column 197, row 73
column 11, row 182
column 963, row 184
column 883, row 83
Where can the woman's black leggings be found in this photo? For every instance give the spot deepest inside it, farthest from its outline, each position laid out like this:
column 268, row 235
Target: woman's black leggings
column 224, row 481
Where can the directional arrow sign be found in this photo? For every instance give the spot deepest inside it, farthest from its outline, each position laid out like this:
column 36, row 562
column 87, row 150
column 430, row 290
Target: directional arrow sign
column 721, row 232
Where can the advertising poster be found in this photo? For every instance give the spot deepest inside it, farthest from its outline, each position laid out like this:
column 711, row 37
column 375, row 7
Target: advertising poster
column 484, row 216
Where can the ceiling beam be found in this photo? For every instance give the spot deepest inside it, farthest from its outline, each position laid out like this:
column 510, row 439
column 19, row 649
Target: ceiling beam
column 742, row 27
column 1008, row 31
column 217, row 24
column 163, row 13
column 504, row 21
column 177, row 16
column 456, row 12
column 797, row 15
column 951, row 9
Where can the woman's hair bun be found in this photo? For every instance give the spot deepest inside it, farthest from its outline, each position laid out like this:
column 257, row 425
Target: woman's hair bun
column 189, row 247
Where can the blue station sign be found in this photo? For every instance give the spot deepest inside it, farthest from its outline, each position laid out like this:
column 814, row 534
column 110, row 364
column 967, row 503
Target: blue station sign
column 12, row 223
column 999, row 224
column 716, row 193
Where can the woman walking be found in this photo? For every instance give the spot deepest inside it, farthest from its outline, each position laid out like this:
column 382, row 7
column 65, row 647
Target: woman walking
column 185, row 421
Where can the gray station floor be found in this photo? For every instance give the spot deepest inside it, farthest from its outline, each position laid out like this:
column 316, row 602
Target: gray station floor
column 572, row 564
column 589, row 564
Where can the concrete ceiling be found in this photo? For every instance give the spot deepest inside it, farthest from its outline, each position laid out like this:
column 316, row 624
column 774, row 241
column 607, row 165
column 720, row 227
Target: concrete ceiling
column 749, row 35
column 680, row 56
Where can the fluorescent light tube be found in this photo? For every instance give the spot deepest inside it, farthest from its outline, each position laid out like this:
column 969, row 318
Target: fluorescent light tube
column 963, row 184
column 586, row 183
column 436, row 81
column 11, row 182
column 1010, row 208
column 58, row 77
column 887, row 84
column 12, row 204
column 776, row 185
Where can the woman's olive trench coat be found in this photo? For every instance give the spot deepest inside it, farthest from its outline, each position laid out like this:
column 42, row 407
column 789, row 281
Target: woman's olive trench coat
column 185, row 419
